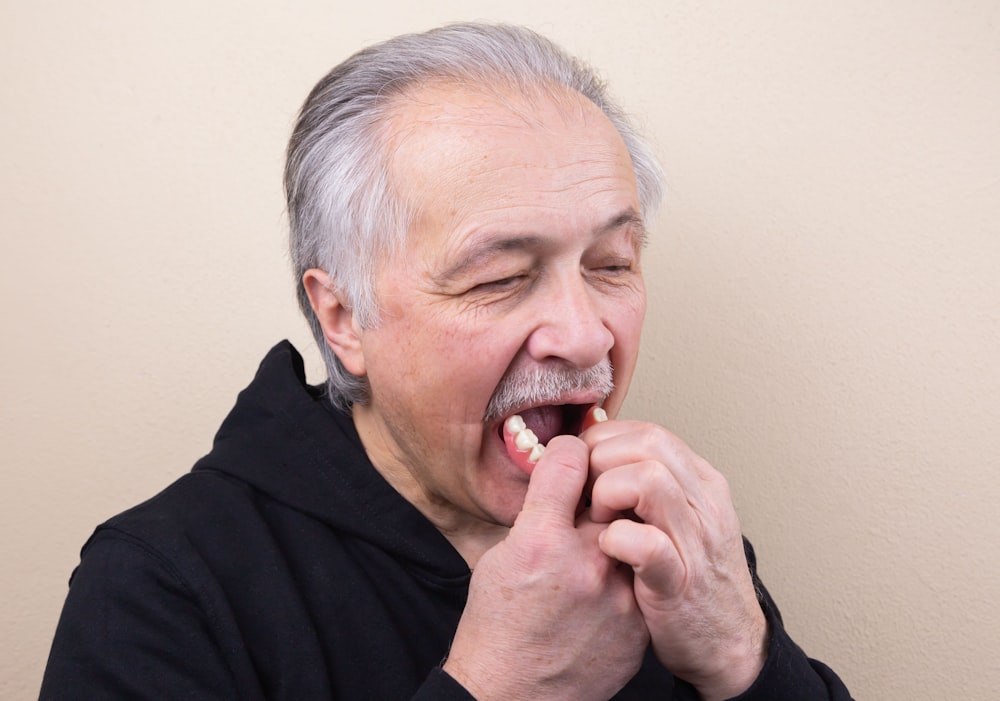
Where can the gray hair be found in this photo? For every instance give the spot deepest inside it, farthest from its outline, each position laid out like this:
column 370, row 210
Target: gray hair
column 344, row 214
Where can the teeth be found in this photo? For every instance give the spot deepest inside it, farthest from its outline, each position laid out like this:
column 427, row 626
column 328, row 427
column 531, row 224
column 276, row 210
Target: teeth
column 525, row 439
column 515, row 424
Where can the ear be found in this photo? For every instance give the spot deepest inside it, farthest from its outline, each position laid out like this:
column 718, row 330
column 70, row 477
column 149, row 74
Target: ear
column 342, row 333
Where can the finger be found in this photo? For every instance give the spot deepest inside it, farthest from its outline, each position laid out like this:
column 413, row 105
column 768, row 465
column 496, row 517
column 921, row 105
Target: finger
column 614, row 493
column 557, row 481
column 650, row 491
column 651, row 554
column 616, row 443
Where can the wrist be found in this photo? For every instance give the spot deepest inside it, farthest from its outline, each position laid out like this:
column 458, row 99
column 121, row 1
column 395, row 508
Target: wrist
column 480, row 681
column 739, row 669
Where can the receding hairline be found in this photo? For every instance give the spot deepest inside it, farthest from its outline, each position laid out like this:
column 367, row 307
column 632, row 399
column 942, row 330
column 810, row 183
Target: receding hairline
column 520, row 101
column 475, row 107
column 344, row 212
column 443, row 102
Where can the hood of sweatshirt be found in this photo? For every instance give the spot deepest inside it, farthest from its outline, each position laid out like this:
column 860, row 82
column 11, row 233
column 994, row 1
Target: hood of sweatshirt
column 284, row 438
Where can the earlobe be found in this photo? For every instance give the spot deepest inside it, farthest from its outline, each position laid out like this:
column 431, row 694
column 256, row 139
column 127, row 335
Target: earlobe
column 341, row 331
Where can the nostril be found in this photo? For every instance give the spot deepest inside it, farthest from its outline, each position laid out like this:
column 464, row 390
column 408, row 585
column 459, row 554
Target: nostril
column 580, row 346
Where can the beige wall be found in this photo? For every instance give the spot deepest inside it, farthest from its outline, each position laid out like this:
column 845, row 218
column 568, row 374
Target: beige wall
column 825, row 304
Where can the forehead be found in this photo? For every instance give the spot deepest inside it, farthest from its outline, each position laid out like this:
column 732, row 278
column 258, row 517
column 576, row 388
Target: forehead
column 461, row 156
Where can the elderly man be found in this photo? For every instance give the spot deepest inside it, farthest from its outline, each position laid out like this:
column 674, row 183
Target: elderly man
column 454, row 515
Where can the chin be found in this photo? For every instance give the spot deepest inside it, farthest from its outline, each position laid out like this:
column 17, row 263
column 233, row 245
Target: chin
column 504, row 501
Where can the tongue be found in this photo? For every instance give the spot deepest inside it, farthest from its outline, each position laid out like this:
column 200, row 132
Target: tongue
column 545, row 421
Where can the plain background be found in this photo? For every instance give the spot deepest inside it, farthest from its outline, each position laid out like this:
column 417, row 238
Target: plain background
column 824, row 318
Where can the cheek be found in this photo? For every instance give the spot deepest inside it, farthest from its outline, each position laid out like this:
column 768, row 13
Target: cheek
column 625, row 316
column 632, row 326
column 478, row 356
column 627, row 331
column 458, row 363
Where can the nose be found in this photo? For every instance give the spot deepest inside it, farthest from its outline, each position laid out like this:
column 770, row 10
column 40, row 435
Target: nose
column 571, row 327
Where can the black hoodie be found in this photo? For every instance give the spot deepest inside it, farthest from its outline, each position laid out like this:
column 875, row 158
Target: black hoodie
column 284, row 567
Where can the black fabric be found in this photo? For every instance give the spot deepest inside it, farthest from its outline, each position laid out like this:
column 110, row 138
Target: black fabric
column 284, row 567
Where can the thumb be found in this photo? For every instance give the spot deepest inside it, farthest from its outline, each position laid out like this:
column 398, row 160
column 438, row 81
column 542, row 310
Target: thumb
column 557, row 481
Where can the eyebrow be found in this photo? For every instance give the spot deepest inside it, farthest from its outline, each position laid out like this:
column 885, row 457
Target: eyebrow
column 631, row 219
column 489, row 246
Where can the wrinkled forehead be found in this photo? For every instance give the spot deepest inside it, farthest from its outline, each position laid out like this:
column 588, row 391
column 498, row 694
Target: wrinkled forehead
column 459, row 121
column 462, row 147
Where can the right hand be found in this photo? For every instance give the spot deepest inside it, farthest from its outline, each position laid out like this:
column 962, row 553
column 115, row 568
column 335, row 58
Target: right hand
column 549, row 614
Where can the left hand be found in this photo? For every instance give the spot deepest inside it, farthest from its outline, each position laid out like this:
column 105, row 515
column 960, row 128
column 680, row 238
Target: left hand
column 692, row 582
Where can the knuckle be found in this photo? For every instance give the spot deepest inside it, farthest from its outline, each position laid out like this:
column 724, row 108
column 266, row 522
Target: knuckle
column 659, row 479
column 653, row 438
column 715, row 478
column 585, row 583
column 658, row 547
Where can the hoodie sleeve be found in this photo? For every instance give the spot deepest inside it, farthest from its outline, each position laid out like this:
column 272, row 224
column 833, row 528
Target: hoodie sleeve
column 131, row 629
column 788, row 675
column 441, row 686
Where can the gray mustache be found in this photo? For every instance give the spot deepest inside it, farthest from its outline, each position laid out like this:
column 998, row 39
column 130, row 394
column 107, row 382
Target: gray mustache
column 534, row 386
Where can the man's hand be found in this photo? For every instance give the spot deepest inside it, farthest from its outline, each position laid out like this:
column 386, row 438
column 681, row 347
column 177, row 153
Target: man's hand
column 672, row 519
column 550, row 616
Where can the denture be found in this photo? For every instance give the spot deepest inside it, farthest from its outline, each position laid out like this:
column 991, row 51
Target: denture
column 523, row 445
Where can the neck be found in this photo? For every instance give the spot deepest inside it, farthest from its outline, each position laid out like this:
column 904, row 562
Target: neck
column 470, row 534
column 472, row 545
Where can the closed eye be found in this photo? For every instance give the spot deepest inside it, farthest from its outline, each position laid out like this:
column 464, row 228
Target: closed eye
column 499, row 285
column 615, row 267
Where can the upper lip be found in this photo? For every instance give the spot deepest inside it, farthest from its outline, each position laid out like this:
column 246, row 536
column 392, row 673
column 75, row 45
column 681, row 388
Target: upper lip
column 576, row 398
column 582, row 399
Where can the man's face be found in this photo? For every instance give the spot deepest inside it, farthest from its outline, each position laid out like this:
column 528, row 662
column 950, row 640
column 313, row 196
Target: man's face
column 524, row 256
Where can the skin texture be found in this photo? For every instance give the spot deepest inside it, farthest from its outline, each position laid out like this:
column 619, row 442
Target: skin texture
column 691, row 578
column 525, row 252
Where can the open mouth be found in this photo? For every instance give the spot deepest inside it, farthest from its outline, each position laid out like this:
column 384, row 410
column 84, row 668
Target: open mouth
column 551, row 420
column 526, row 434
